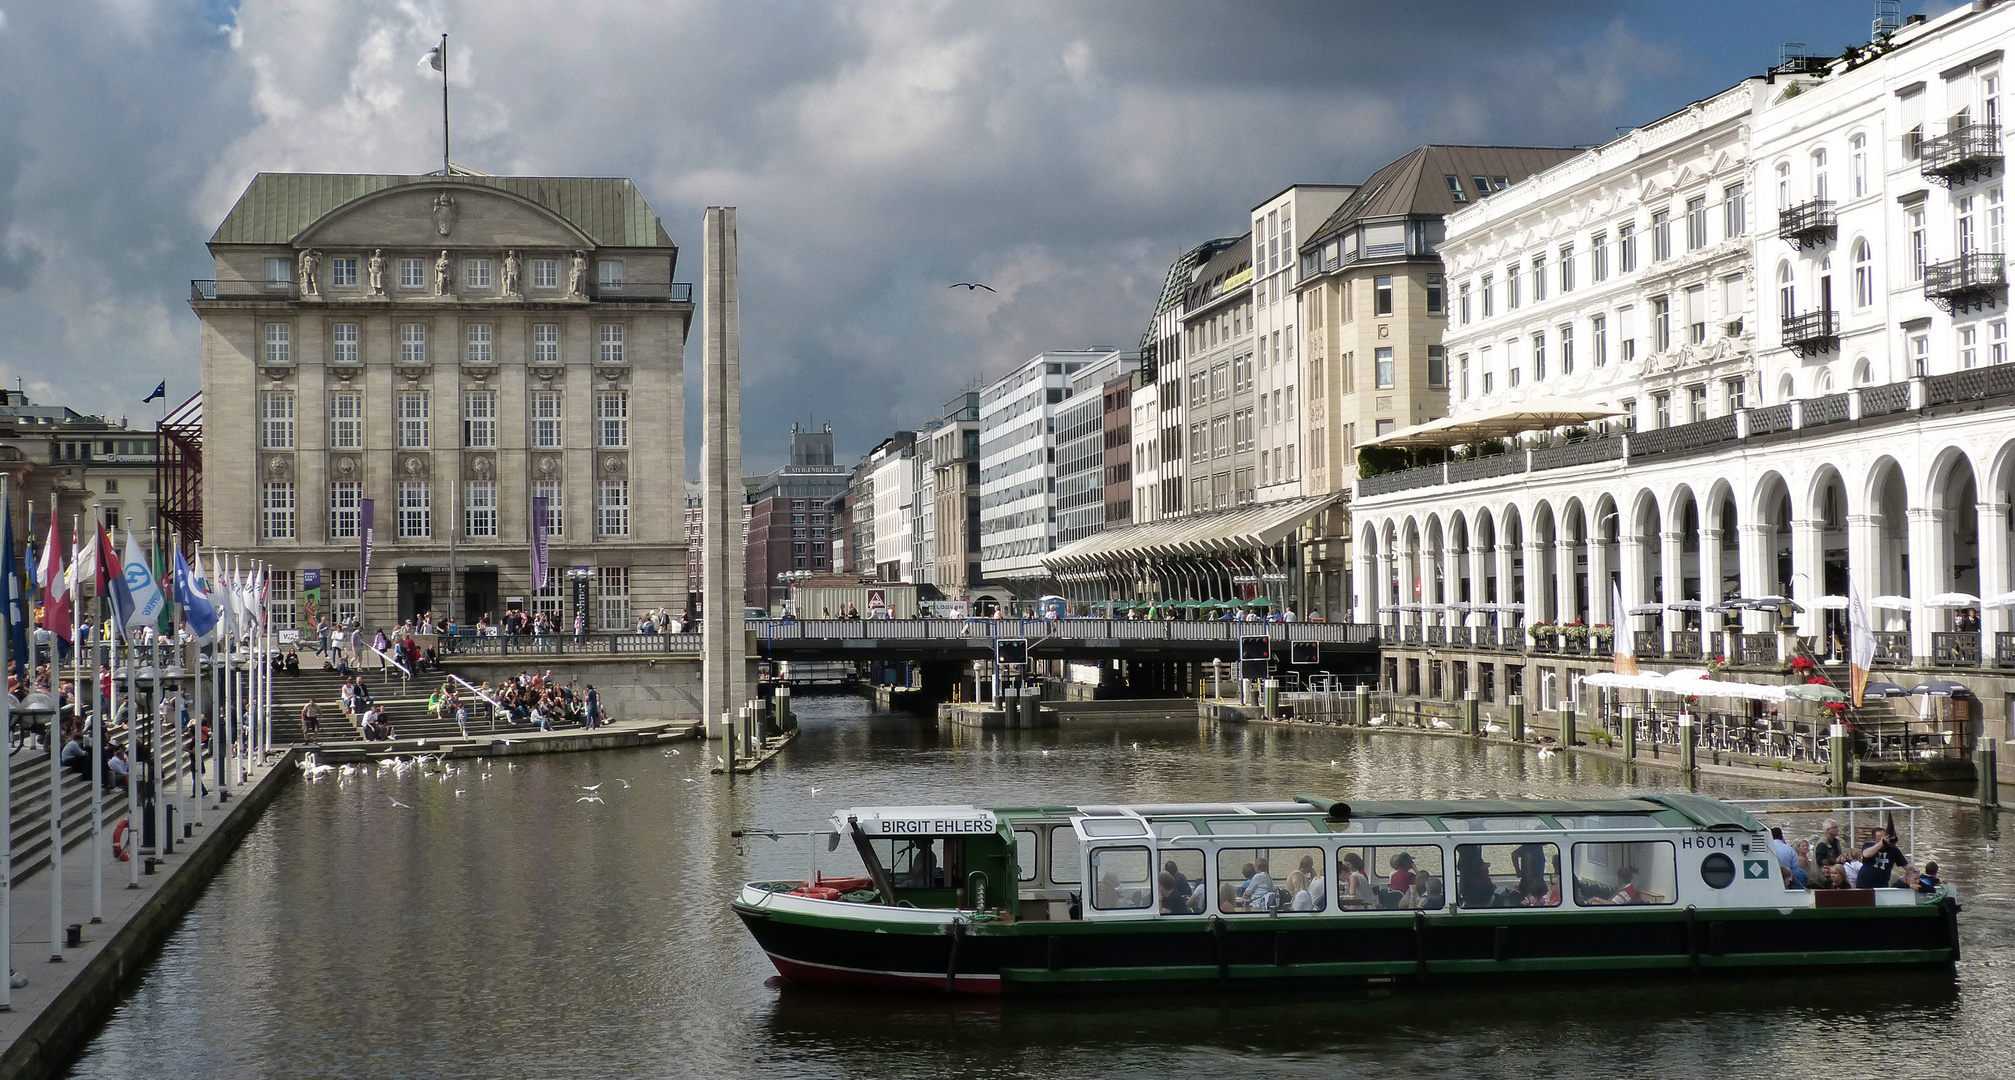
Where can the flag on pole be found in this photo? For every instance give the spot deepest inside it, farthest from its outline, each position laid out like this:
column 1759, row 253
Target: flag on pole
column 160, row 393
column 28, row 561
column 433, row 59
column 1860, row 644
column 145, row 602
column 197, row 610
column 164, row 583
column 55, row 584
column 366, row 518
column 539, row 550
column 112, row 582
column 16, row 594
column 1623, row 650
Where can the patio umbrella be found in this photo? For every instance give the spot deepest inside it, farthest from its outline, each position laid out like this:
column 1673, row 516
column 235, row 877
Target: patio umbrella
column 2005, row 600
column 1882, row 689
column 1188, row 605
column 1684, row 605
column 1941, row 688
column 1774, row 603
column 1259, row 601
column 1839, row 603
column 1892, row 603
column 1647, row 609
column 1953, row 600
column 1814, row 692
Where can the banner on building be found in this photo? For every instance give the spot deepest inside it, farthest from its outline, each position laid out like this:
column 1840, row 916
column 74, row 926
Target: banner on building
column 311, row 597
column 539, row 503
column 366, row 520
column 581, row 575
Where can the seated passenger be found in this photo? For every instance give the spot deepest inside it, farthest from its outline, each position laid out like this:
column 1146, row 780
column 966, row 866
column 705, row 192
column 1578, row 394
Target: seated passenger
column 1626, row 889
column 1832, row 876
column 1227, row 897
column 1356, row 887
column 1928, row 880
column 1107, row 895
column 1403, row 876
column 1178, row 883
column 1318, row 889
column 1174, row 899
column 1297, row 887
column 1533, row 891
column 1259, row 891
column 1433, row 893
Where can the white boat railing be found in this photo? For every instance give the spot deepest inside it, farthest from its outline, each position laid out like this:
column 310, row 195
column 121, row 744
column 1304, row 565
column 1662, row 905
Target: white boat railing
column 1851, row 807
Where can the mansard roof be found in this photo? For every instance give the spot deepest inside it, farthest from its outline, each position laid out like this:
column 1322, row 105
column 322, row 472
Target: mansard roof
column 277, row 207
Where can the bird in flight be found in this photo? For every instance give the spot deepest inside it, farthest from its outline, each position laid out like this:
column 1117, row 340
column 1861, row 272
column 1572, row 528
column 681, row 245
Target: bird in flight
column 589, row 798
column 597, row 787
column 969, row 286
column 400, row 805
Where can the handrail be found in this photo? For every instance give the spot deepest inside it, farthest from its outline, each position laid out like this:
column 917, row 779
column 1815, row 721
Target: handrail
column 493, row 701
column 392, row 660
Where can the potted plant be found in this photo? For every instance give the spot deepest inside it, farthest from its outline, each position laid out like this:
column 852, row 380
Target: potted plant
column 1575, row 634
column 1602, row 634
column 1543, row 634
column 1717, row 665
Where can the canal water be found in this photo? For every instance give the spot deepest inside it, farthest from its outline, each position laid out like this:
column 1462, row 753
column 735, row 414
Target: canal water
column 493, row 924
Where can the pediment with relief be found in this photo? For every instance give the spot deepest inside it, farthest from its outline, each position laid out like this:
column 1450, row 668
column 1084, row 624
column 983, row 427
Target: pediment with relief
column 419, row 217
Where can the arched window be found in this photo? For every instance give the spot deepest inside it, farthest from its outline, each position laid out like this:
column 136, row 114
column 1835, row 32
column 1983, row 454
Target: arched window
column 1787, row 294
column 1863, row 375
column 1857, row 165
column 1825, row 382
column 1864, row 274
column 1819, row 173
column 1784, row 388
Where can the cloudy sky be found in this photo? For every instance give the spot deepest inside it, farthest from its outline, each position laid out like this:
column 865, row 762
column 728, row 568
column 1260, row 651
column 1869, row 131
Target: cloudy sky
column 1061, row 152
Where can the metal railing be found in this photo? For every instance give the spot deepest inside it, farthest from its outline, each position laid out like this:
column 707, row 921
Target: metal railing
column 1647, row 644
column 1955, row 649
column 1586, row 452
column 1831, row 409
column 209, row 289
column 1758, row 650
column 625, row 644
column 1811, row 331
column 1404, row 479
column 1686, row 645
column 641, row 291
column 1770, row 419
column 1970, row 278
column 1807, row 222
column 1683, row 437
column 1892, row 646
column 1771, row 736
column 2004, row 649
column 1974, row 384
column 1964, row 150
column 1484, row 468
column 1884, row 399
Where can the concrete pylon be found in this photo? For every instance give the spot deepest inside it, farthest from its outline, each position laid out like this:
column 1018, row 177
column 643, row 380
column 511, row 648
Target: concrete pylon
column 724, row 645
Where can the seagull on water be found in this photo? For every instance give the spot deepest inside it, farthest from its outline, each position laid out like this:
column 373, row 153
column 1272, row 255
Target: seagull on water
column 673, row 752
column 690, row 780
column 1045, row 753
column 1332, row 763
column 815, row 791
column 589, row 798
column 969, row 286
column 622, row 781
column 459, row 792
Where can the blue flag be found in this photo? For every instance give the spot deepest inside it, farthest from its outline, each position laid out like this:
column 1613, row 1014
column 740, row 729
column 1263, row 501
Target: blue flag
column 10, row 586
column 197, row 610
column 160, row 392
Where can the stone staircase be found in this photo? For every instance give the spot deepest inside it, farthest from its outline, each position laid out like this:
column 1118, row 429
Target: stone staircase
column 405, row 702
column 30, row 812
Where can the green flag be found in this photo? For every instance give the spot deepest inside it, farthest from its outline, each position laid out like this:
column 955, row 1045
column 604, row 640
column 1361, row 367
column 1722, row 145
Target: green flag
column 167, row 624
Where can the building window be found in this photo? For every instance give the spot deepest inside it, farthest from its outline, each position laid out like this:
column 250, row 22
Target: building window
column 476, row 273
column 276, row 420
column 612, row 343
column 1567, row 350
column 279, row 274
column 1661, row 410
column 609, row 271
column 1567, row 268
column 1696, row 223
column 345, row 608
column 548, row 422
column 279, row 343
column 612, row 419
column 1511, row 289
column 1819, row 186
column 1437, row 367
column 414, row 430
column 1488, row 298
column 1969, row 347
column 1462, row 303
column 1455, row 191
column 1437, row 290
column 1220, row 437
column 1914, row 218
column 276, row 511
column 613, row 599
column 1661, row 323
column 282, row 597
column 412, row 274
column 1598, row 257
column 1462, row 377
column 1997, row 341
column 545, row 273
column 612, row 508
column 1383, row 373
column 1538, row 278
column 1696, row 404
column 556, row 516
column 1696, row 314
column 1864, row 275
column 416, row 515
column 1539, row 357
column 1661, row 235
column 1628, row 407
column 479, row 344
column 343, row 343
column 1738, row 396
column 479, row 509
column 345, row 499
column 1734, row 214
column 479, row 419
column 1626, row 248
column 343, row 273
column 1381, row 296
column 545, row 343
column 1626, row 333
column 412, row 343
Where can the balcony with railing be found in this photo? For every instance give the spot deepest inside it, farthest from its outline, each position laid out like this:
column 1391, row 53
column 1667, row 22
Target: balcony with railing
column 1965, row 152
column 1975, row 280
column 1809, row 223
column 1960, row 649
column 205, row 290
column 678, row 292
column 1648, row 644
column 1812, row 332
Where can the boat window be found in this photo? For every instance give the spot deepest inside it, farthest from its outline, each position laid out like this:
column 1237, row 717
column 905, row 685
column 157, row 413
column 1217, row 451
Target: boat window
column 1284, row 880
column 1025, row 850
column 1385, row 825
column 912, row 864
column 1164, row 830
column 1607, row 821
column 1391, row 877
column 1507, row 875
column 1063, row 856
column 1520, row 823
column 1635, row 873
column 1113, row 826
column 1124, row 878
column 1260, row 826
column 1180, row 882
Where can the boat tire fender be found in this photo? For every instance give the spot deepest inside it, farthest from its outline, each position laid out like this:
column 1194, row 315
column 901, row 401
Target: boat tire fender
column 1692, row 938
column 957, row 931
column 1218, row 930
column 817, row 892
column 1420, row 945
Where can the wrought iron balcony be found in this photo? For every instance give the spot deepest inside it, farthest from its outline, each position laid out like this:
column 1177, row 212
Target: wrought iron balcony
column 1808, row 224
column 1812, row 332
column 1965, row 152
column 637, row 291
column 1975, row 280
column 204, row 289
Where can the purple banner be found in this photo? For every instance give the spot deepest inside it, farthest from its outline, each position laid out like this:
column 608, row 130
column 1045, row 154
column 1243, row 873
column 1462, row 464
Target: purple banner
column 538, row 542
column 366, row 514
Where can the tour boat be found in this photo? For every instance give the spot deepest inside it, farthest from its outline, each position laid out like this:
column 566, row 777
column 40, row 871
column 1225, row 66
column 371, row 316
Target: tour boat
column 960, row 899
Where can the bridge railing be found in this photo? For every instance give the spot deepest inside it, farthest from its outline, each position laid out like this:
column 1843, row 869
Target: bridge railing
column 533, row 645
column 1033, row 629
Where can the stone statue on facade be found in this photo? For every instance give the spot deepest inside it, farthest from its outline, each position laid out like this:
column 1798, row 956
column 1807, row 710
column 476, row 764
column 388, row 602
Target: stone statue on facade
column 378, row 273
column 579, row 285
column 444, row 213
column 510, row 273
column 443, row 273
column 311, row 260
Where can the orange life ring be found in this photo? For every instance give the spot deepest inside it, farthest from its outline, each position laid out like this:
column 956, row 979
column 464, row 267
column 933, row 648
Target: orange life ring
column 122, row 839
column 816, row 892
column 846, row 884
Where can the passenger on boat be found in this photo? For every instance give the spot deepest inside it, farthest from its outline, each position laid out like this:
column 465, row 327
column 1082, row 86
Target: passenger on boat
column 1318, row 889
column 1928, row 880
column 1626, row 889
column 1879, row 859
column 1227, row 897
column 1107, row 895
column 1297, row 887
column 1787, row 860
column 923, row 867
column 1805, row 865
column 1403, row 876
column 1259, row 892
column 1174, row 892
column 1473, row 885
column 1433, row 893
column 1356, row 887
column 1832, row 875
column 1828, row 848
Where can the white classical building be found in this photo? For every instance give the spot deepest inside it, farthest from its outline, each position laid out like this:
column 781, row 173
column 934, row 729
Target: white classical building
column 1018, row 466
column 894, row 478
column 1845, row 424
column 1274, row 304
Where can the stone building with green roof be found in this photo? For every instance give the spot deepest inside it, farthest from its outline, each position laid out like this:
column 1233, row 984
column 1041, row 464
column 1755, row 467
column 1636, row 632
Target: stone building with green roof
column 440, row 351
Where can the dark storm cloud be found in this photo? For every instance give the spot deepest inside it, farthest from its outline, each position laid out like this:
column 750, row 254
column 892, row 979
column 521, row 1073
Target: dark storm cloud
column 1063, row 153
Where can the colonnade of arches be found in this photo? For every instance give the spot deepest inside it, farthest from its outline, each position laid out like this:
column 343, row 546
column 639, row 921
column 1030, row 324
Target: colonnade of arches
column 1905, row 529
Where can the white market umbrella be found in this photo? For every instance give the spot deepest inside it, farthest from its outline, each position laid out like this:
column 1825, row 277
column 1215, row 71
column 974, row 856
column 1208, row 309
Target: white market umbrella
column 1839, row 603
column 2005, row 600
column 1892, row 603
column 1953, row 600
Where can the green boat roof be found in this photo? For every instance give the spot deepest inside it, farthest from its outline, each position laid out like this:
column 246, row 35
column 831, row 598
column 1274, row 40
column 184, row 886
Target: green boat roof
column 1697, row 810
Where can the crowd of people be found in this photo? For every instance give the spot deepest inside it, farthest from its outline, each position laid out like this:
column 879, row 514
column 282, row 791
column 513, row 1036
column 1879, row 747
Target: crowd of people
column 1829, row 862
column 537, row 698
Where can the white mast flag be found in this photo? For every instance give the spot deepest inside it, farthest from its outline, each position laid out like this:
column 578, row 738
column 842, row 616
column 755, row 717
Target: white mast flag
column 147, row 598
column 1860, row 644
column 433, row 59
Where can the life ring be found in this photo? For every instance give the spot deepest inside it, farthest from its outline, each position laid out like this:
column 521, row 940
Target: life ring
column 846, row 884
column 122, row 839
column 816, row 892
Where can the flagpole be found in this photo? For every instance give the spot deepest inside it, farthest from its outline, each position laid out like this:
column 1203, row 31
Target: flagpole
column 97, row 745
column 7, row 758
column 447, row 166
column 133, row 762
column 56, row 754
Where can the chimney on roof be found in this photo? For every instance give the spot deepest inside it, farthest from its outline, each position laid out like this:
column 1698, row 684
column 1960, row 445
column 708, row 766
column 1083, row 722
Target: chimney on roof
column 1913, row 20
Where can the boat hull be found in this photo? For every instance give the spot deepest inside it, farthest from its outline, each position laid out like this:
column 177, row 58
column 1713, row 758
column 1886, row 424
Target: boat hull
column 841, row 944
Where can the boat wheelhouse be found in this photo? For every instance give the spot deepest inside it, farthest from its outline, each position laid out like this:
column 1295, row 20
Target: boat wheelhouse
column 1203, row 895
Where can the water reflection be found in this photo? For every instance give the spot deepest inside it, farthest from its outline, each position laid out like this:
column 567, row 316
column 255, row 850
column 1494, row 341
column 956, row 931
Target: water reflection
column 497, row 926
